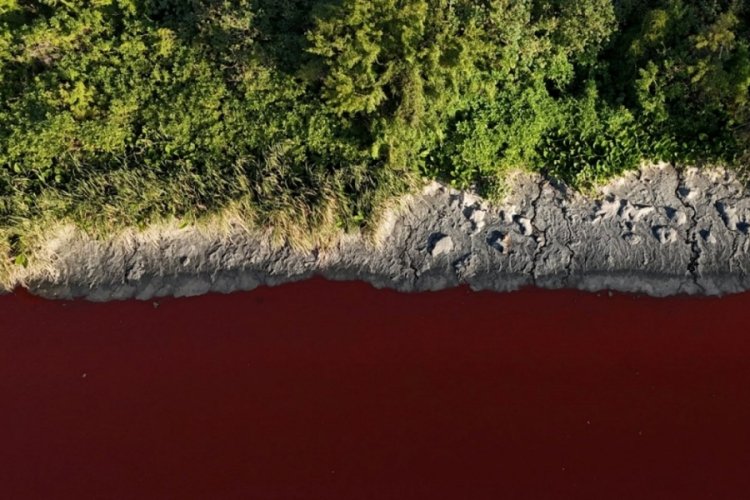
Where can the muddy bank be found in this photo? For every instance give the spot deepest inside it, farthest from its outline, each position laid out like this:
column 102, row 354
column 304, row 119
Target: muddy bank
column 658, row 231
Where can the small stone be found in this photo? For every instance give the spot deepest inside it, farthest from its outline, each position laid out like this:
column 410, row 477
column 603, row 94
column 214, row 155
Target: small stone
column 708, row 237
column 687, row 193
column 664, row 234
column 499, row 241
column 442, row 246
column 477, row 219
column 433, row 189
column 524, row 225
column 509, row 215
column 609, row 208
column 679, row 218
column 469, row 200
column 728, row 215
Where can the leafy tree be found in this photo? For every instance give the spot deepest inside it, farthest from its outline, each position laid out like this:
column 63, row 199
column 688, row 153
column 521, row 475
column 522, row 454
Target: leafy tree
column 119, row 112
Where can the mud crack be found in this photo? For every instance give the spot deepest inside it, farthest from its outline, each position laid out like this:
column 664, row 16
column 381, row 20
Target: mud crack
column 691, row 234
column 540, row 245
column 568, row 242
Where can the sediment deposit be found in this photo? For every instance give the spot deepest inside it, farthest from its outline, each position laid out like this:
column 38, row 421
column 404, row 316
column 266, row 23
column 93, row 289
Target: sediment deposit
column 658, row 230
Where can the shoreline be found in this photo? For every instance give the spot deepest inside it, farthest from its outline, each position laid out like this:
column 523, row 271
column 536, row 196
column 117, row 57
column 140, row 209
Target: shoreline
column 658, row 230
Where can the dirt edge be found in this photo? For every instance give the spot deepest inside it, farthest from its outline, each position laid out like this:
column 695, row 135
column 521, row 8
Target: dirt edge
column 659, row 230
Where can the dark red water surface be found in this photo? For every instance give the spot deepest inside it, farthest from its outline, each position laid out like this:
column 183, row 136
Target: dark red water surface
column 339, row 391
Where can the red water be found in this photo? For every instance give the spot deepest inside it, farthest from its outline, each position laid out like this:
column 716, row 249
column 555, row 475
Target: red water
column 337, row 390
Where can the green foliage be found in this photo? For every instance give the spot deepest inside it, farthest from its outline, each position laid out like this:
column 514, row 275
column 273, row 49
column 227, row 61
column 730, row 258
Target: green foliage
column 594, row 142
column 684, row 74
column 119, row 112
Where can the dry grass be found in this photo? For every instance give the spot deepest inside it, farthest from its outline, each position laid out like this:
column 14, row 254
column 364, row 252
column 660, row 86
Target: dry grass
column 311, row 221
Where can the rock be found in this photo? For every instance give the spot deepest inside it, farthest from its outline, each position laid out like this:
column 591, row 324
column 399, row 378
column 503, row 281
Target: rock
column 708, row 237
column 678, row 217
column 499, row 241
column 477, row 218
column 664, row 234
column 441, row 246
column 524, row 225
column 728, row 215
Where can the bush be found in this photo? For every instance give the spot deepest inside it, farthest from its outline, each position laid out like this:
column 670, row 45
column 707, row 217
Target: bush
column 119, row 112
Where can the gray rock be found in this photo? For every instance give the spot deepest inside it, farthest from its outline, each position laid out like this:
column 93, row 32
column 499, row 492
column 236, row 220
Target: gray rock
column 442, row 245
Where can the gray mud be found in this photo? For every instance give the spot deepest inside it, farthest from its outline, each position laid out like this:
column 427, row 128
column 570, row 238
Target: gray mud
column 657, row 231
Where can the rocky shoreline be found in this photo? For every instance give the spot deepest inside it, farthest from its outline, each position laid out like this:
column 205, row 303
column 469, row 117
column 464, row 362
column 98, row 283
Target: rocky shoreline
column 659, row 231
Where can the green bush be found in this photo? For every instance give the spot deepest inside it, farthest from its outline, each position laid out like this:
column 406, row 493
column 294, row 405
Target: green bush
column 120, row 112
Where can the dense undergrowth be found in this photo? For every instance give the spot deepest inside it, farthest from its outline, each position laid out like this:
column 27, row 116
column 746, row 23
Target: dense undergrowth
column 310, row 114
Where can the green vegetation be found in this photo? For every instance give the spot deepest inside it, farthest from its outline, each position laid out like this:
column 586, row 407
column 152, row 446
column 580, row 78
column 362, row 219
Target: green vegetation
column 309, row 114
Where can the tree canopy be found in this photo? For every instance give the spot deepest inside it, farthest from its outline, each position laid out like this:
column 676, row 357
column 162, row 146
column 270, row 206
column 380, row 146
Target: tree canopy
column 122, row 111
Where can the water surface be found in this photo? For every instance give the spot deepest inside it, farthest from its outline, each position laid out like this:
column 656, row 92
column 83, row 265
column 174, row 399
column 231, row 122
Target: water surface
column 338, row 390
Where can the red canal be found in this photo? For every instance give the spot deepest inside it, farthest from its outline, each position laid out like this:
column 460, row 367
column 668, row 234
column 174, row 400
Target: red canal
column 340, row 391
